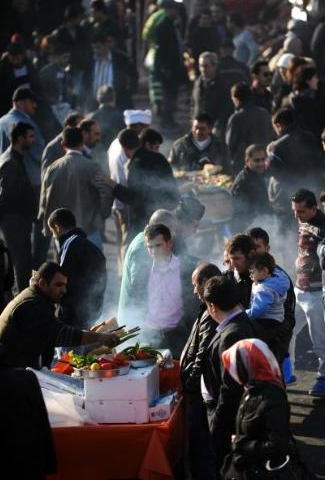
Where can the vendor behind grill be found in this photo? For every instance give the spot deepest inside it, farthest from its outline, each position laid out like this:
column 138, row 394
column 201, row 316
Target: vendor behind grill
column 29, row 329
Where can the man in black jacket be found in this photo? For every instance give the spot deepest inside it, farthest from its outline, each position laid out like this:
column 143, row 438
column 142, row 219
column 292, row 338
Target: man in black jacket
column 203, row 330
column 249, row 189
column 150, row 183
column 240, row 251
column 220, row 392
column 247, row 125
column 298, row 161
column 84, row 265
column 18, row 203
column 110, row 67
column 211, row 93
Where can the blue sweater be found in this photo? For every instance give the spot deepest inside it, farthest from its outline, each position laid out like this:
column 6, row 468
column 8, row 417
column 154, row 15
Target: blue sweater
column 268, row 297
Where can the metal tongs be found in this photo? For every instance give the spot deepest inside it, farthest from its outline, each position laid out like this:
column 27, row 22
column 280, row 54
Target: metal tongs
column 133, row 332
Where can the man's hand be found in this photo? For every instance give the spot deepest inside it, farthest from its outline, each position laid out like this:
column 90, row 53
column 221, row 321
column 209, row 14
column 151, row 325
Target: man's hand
column 100, row 177
column 109, row 324
column 110, row 339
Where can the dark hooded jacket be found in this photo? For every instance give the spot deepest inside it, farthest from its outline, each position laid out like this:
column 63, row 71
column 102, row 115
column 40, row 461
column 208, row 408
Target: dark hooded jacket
column 85, row 266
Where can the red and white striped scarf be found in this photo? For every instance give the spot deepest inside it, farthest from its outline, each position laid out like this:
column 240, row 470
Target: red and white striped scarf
column 251, row 359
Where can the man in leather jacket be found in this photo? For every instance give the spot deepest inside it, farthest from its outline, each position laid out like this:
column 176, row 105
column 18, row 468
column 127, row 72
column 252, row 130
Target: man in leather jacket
column 203, row 330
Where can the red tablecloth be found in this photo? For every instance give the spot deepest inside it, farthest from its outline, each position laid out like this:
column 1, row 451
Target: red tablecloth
column 103, row 452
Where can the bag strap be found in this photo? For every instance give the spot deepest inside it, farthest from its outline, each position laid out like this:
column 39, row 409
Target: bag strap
column 273, row 469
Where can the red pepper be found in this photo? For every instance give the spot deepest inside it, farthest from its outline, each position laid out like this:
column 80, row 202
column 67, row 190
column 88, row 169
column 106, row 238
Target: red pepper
column 141, row 355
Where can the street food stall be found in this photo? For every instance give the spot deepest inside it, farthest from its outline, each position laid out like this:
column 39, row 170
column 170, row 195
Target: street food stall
column 213, row 189
column 128, row 420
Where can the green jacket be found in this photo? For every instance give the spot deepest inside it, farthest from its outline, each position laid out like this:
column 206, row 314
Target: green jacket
column 185, row 155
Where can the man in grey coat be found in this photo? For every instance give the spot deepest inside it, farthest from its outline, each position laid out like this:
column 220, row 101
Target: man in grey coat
column 54, row 149
column 72, row 182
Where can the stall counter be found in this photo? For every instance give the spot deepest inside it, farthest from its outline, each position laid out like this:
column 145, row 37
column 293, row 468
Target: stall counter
column 105, row 452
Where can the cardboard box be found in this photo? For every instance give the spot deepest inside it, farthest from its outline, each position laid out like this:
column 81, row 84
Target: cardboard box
column 118, row 411
column 138, row 384
column 163, row 408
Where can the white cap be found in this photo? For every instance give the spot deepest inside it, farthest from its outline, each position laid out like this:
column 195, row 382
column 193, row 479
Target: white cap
column 137, row 116
column 285, row 59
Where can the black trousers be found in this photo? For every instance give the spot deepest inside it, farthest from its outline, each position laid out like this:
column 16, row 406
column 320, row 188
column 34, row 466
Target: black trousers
column 16, row 231
column 200, row 451
column 220, row 437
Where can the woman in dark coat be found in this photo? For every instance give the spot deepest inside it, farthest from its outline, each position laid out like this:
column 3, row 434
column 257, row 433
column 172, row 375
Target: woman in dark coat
column 262, row 425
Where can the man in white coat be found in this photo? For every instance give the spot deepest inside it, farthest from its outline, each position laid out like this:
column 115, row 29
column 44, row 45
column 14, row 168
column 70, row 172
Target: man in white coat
column 138, row 120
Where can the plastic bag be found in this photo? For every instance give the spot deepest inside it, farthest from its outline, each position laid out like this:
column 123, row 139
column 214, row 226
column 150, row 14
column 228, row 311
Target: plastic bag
column 65, row 409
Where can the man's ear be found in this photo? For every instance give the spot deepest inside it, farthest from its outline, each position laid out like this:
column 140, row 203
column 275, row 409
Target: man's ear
column 56, row 228
column 42, row 283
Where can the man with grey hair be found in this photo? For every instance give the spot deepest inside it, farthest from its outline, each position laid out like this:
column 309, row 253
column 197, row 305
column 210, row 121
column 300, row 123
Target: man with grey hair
column 249, row 189
column 211, row 94
column 107, row 116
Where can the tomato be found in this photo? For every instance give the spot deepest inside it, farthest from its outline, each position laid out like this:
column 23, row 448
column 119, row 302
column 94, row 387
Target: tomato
column 123, row 358
column 141, row 355
column 106, row 366
column 101, row 360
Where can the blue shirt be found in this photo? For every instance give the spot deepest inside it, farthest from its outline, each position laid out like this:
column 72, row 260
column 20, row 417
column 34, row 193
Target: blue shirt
column 222, row 325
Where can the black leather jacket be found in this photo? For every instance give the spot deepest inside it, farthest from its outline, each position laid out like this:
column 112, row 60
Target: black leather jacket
column 194, row 352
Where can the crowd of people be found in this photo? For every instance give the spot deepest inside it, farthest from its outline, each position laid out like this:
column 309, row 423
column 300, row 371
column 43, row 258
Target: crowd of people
column 75, row 150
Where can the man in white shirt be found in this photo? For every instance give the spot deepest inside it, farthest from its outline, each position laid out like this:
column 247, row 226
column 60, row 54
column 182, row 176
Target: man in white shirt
column 137, row 120
column 164, row 310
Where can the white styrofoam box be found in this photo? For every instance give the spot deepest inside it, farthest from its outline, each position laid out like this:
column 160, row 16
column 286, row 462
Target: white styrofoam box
column 138, row 384
column 118, row 411
column 163, row 408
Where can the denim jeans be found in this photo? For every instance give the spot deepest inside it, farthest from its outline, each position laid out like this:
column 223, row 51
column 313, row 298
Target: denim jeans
column 312, row 305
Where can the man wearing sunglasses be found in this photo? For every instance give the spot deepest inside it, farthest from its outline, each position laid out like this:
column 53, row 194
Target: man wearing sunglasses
column 261, row 93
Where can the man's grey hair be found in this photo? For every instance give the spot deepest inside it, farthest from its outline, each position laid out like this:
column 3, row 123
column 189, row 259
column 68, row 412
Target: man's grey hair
column 165, row 217
column 255, row 147
column 211, row 57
